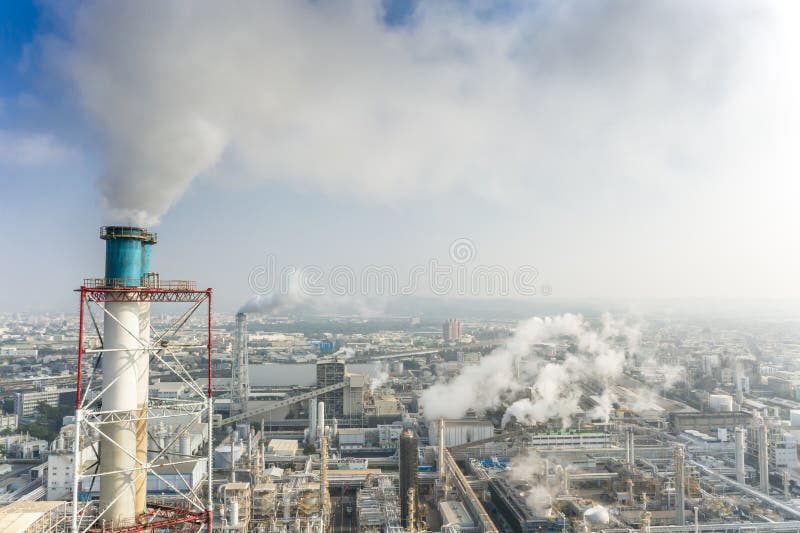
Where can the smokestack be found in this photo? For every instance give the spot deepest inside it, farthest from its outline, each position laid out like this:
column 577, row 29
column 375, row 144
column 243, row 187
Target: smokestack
column 741, row 437
column 409, row 467
column 125, row 363
column 240, row 375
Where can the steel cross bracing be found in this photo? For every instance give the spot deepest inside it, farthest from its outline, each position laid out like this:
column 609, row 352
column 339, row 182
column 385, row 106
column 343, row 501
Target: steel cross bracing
column 189, row 503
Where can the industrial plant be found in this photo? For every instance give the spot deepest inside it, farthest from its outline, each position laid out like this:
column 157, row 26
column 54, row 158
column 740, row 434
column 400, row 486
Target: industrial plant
column 182, row 424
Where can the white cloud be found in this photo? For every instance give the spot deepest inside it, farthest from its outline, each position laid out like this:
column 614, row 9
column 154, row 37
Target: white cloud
column 31, row 150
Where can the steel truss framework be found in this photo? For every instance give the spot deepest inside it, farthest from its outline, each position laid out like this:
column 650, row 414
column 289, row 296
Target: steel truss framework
column 187, row 507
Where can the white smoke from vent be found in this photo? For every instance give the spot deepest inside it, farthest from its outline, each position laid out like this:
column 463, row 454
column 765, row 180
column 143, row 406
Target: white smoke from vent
column 284, row 300
column 378, row 381
column 326, row 95
column 548, row 388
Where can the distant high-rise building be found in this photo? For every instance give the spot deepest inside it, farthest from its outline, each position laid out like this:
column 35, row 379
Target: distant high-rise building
column 451, row 330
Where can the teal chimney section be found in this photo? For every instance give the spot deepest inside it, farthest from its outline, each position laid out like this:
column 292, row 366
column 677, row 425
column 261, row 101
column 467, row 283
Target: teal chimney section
column 127, row 255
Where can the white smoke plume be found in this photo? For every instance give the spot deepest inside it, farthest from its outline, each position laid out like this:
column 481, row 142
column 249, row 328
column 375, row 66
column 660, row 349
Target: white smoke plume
column 327, row 95
column 346, row 352
column 552, row 389
column 605, row 404
column 287, row 299
column 378, row 381
column 532, row 469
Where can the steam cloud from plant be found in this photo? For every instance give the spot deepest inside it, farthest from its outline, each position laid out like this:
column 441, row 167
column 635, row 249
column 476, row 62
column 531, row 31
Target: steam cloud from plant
column 533, row 387
column 328, row 95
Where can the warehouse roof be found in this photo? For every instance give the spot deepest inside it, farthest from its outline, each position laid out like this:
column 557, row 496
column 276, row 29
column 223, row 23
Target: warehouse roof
column 17, row 517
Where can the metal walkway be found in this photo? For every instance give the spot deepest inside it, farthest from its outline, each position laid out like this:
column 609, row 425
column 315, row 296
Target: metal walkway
column 252, row 413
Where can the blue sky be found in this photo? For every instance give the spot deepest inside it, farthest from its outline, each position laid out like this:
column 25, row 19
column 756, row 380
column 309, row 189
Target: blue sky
column 581, row 140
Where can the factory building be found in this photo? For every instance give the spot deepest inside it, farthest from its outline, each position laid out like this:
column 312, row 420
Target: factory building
column 781, row 446
column 512, row 500
column 353, row 395
column 9, row 421
column 331, row 371
column 26, row 404
column 33, row 517
column 346, row 403
column 570, row 439
column 708, row 422
column 61, row 463
column 460, row 431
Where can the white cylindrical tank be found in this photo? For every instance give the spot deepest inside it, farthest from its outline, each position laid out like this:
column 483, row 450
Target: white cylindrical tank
column 234, row 512
column 321, row 419
column 185, row 445
column 121, row 368
column 794, row 417
column 720, row 402
column 312, row 420
column 396, row 368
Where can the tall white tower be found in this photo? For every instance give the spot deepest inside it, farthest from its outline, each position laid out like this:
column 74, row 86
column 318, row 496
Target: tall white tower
column 240, row 375
column 113, row 408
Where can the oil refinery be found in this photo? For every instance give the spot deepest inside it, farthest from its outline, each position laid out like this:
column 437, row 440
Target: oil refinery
column 168, row 435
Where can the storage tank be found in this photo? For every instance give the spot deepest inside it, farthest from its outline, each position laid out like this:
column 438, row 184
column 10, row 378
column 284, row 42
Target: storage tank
column 185, row 445
column 794, row 417
column 409, row 468
column 720, row 402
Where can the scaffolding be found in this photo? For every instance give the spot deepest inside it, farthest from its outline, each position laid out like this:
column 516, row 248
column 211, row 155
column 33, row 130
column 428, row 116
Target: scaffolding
column 190, row 499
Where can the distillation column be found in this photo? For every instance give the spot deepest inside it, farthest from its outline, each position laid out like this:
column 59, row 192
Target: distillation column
column 312, row 420
column 409, row 466
column 125, row 366
column 678, row 457
column 440, row 466
column 763, row 455
column 740, row 446
column 320, row 420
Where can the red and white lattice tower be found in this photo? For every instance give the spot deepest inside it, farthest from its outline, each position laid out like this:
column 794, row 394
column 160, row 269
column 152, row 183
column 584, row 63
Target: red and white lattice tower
column 125, row 441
